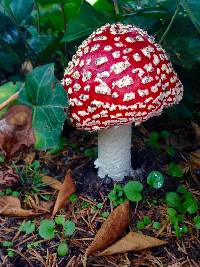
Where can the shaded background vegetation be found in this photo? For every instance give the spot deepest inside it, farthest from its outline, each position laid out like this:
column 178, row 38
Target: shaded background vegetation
column 44, row 31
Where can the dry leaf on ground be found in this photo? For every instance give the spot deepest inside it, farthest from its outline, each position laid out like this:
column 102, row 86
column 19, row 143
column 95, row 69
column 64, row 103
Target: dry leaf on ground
column 52, row 182
column 8, row 177
column 16, row 129
column 65, row 192
column 132, row 242
column 111, row 229
column 11, row 206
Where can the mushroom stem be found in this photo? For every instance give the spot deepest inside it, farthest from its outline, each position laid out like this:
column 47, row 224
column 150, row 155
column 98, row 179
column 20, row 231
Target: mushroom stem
column 114, row 152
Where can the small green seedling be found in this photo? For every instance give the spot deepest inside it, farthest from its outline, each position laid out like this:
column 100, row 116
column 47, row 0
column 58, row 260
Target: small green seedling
column 27, row 227
column 133, row 191
column 156, row 225
column 57, row 149
column 7, row 244
column 105, row 214
column 175, row 170
column 62, row 249
column 73, row 198
column 143, row 223
column 140, row 225
column 2, row 158
column 10, row 253
column 117, row 195
column 47, row 229
column 91, row 152
column 99, row 205
column 69, row 228
column 197, row 222
column 60, row 219
column 155, row 179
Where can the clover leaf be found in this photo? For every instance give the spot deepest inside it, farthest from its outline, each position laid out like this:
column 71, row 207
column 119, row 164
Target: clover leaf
column 69, row 227
column 27, row 227
column 155, row 179
column 46, row 229
column 133, row 190
column 62, row 249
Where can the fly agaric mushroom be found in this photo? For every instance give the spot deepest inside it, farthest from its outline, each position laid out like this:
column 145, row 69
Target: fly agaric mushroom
column 117, row 77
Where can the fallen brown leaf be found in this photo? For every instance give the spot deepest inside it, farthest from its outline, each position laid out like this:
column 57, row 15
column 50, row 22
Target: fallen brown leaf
column 52, row 182
column 16, row 129
column 30, row 157
column 132, row 242
column 194, row 165
column 11, row 206
column 65, row 192
column 111, row 229
column 8, row 177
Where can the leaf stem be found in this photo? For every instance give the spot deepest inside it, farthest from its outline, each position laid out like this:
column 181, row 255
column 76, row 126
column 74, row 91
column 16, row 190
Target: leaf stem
column 116, row 7
column 170, row 24
column 10, row 99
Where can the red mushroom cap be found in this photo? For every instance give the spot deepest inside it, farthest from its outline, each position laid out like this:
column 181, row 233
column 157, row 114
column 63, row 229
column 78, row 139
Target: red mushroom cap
column 119, row 75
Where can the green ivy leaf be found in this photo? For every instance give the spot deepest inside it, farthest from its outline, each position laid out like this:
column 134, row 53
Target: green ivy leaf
column 46, row 229
column 62, row 249
column 48, row 100
column 27, row 227
column 155, row 179
column 69, row 227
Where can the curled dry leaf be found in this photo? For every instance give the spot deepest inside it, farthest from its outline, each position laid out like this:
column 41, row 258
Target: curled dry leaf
column 11, row 206
column 52, row 182
column 8, row 177
column 194, row 165
column 65, row 192
column 111, row 229
column 16, row 129
column 132, row 242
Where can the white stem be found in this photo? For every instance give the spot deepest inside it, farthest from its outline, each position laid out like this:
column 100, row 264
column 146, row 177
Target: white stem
column 114, row 152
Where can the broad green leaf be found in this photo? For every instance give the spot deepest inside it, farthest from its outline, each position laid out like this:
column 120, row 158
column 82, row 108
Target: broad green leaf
column 184, row 51
column 19, row 10
column 48, row 101
column 83, row 24
column 104, row 6
column 192, row 8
